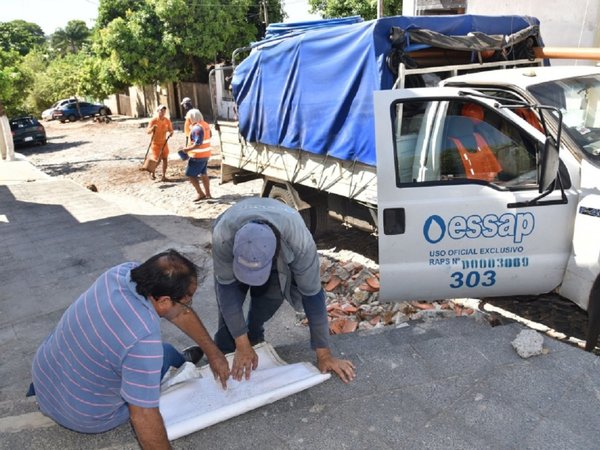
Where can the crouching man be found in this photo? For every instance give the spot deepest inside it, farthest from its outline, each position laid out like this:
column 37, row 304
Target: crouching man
column 263, row 247
column 103, row 364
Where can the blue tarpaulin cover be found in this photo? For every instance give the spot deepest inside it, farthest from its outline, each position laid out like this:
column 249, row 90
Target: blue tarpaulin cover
column 313, row 90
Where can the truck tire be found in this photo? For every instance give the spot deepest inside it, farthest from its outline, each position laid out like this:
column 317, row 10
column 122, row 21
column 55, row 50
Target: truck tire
column 284, row 196
column 71, row 118
column 593, row 311
column 102, row 112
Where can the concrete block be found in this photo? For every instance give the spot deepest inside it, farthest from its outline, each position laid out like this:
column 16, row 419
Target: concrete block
column 528, row 343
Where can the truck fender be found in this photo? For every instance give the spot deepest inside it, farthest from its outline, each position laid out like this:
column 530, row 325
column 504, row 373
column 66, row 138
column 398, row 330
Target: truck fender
column 593, row 311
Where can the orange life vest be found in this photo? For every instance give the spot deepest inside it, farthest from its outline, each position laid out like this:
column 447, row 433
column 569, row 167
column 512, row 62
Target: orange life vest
column 480, row 164
column 203, row 150
column 530, row 117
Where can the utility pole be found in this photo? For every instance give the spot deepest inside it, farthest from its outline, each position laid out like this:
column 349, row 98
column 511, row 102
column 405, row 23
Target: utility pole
column 265, row 12
column 379, row 9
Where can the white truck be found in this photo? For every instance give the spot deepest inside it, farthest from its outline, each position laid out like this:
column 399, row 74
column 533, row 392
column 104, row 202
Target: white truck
column 485, row 185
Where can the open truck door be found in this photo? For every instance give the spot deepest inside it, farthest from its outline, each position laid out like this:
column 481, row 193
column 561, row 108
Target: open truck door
column 584, row 263
column 458, row 181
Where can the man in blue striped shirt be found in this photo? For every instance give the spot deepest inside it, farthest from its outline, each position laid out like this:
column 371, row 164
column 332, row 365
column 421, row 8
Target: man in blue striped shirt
column 103, row 363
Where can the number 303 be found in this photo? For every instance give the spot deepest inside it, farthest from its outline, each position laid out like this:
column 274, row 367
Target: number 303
column 473, row 279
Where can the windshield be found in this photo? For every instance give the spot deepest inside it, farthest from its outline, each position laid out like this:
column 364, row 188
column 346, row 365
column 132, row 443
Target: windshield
column 579, row 101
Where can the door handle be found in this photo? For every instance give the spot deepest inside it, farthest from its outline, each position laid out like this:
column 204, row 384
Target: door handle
column 394, row 221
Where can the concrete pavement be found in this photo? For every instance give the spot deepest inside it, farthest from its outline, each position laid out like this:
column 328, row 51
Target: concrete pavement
column 454, row 383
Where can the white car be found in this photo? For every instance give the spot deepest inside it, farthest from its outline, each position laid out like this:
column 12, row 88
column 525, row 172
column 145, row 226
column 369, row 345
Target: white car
column 47, row 114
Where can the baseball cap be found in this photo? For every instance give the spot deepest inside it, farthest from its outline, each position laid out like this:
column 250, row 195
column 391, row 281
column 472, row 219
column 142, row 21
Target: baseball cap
column 254, row 246
column 186, row 100
column 160, row 107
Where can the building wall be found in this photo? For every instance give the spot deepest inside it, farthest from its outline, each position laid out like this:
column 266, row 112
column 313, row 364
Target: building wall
column 200, row 96
column 563, row 23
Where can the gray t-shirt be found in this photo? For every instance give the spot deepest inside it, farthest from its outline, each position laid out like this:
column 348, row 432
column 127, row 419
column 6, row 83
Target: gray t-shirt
column 297, row 265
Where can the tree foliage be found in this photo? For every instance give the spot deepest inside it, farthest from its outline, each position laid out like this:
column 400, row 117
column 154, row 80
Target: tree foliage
column 330, row 9
column 136, row 47
column 133, row 42
column 164, row 40
column 70, row 39
column 20, row 36
column 14, row 81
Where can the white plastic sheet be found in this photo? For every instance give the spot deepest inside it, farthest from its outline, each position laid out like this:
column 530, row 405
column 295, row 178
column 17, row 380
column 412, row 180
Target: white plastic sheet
column 199, row 401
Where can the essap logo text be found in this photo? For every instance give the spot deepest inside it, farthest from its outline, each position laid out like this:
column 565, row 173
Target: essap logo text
column 516, row 226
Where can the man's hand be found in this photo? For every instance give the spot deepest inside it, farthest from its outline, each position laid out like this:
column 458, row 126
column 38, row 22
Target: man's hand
column 190, row 324
column 245, row 359
column 220, row 367
column 342, row 367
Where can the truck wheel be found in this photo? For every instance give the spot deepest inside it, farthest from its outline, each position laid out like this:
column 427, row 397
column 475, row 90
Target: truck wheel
column 284, row 196
column 102, row 112
column 71, row 118
column 593, row 311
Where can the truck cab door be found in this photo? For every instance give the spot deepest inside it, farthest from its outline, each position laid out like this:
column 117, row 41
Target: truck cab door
column 454, row 173
column 584, row 263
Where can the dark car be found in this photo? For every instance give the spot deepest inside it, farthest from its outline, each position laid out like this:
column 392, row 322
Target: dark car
column 27, row 130
column 74, row 111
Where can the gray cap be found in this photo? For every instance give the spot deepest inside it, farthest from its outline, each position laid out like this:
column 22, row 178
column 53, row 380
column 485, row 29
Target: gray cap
column 186, row 100
column 254, row 247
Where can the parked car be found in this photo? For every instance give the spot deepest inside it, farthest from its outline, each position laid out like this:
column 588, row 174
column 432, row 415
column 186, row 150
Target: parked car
column 47, row 114
column 27, row 130
column 74, row 111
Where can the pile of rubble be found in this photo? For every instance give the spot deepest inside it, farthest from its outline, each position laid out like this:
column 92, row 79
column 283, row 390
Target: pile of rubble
column 352, row 291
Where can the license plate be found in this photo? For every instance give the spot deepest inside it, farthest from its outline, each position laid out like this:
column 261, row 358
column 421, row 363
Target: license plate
column 28, row 138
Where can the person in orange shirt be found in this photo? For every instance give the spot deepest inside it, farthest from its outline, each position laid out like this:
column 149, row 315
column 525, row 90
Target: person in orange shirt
column 162, row 128
column 198, row 151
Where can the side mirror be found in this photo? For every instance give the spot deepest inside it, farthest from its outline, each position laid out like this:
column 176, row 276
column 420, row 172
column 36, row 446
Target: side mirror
column 548, row 165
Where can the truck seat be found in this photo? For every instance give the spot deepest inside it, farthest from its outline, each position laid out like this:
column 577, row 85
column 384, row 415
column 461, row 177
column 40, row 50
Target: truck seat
column 478, row 160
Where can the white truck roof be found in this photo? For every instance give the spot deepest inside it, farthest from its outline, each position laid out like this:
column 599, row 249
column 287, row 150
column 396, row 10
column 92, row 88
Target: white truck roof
column 522, row 77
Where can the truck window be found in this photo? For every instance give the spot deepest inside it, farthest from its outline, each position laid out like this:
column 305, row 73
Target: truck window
column 461, row 141
column 579, row 100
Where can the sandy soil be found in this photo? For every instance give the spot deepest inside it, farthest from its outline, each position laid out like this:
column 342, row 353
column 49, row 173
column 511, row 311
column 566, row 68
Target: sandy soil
column 110, row 155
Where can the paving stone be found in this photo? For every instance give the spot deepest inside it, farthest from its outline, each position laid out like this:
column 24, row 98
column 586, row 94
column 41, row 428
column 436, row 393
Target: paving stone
column 554, row 435
column 444, row 384
column 452, row 356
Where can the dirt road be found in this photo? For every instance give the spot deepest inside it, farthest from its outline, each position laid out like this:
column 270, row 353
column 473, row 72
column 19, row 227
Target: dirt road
column 109, row 156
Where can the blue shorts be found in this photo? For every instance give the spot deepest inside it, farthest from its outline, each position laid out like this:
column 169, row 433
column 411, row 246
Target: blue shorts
column 196, row 166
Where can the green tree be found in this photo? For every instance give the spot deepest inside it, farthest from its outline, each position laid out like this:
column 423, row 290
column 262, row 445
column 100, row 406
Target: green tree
column 70, row 39
column 330, row 9
column 165, row 40
column 136, row 47
column 20, row 36
column 109, row 10
column 39, row 95
column 202, row 34
column 14, row 83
